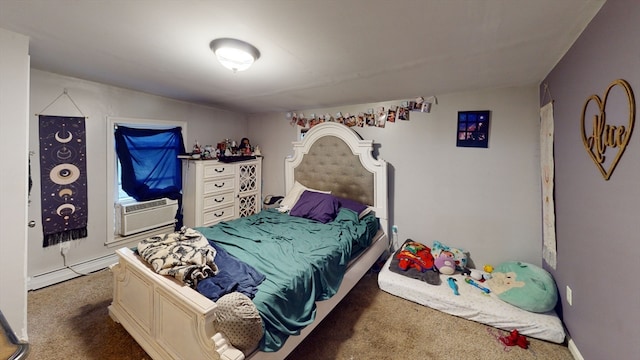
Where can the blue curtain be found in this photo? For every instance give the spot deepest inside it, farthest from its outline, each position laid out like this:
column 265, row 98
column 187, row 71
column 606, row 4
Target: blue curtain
column 149, row 161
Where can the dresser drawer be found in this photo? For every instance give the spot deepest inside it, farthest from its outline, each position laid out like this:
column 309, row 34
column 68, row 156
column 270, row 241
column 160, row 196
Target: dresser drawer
column 218, row 170
column 218, row 200
column 217, row 215
column 218, row 185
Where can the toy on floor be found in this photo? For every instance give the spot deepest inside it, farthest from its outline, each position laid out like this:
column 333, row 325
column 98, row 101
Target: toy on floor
column 476, row 274
column 445, row 264
column 514, row 338
column 459, row 255
column 524, row 285
column 471, row 282
column 453, row 285
column 415, row 255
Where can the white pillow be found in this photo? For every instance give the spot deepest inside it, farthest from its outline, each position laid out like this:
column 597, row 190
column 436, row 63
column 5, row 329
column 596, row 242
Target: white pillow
column 294, row 194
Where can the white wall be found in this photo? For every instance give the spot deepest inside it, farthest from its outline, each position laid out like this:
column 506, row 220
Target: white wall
column 14, row 129
column 484, row 200
column 97, row 102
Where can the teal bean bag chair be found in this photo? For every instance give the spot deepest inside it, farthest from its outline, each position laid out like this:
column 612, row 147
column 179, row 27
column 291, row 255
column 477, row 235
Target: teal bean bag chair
column 524, row 285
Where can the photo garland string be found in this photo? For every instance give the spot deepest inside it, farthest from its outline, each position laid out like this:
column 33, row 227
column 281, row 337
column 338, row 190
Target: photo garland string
column 377, row 117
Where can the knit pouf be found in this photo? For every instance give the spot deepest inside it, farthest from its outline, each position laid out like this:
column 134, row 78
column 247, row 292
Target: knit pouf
column 240, row 321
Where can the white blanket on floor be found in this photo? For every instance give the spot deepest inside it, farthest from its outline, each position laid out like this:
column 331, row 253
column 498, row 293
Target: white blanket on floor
column 473, row 304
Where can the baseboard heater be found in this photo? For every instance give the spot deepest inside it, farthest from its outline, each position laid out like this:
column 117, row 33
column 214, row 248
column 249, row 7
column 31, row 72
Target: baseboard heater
column 57, row 276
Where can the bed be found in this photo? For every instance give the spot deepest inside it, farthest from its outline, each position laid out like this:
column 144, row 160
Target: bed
column 472, row 304
column 173, row 321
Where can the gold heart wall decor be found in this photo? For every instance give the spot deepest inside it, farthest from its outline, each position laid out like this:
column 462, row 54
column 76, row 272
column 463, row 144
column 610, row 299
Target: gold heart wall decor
column 604, row 136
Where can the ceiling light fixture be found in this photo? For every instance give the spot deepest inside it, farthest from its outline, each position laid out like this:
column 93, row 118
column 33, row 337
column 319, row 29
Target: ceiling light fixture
column 234, row 54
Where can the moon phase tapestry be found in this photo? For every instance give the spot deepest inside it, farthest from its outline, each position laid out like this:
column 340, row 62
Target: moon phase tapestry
column 63, row 178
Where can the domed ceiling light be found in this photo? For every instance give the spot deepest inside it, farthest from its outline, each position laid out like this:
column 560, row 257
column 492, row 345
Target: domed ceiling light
column 234, row 54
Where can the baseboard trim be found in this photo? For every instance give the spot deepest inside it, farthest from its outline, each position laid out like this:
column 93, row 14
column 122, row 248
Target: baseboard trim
column 573, row 349
column 53, row 277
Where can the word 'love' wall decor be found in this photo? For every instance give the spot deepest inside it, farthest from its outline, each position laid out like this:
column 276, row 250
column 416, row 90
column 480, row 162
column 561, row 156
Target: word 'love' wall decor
column 605, row 136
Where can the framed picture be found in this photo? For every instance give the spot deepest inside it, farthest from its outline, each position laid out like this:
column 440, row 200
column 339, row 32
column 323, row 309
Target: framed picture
column 473, row 129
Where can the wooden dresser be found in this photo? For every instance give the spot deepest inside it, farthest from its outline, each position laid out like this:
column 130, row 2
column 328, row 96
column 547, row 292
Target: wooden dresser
column 214, row 191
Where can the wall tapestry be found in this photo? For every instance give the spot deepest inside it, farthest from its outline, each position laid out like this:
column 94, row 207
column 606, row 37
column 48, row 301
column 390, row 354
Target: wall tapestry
column 549, row 252
column 63, row 178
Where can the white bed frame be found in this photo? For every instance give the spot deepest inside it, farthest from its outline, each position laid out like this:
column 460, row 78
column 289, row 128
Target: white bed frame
column 172, row 321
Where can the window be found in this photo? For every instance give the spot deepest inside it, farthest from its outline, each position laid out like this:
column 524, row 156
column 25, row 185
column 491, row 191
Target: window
column 115, row 193
column 122, row 195
column 150, row 167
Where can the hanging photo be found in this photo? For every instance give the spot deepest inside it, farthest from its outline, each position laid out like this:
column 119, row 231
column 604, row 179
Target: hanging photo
column 391, row 114
column 313, row 120
column 370, row 118
column 377, row 117
column 302, row 121
column 360, row 120
column 473, row 129
column 382, row 117
column 328, row 117
column 403, row 111
column 350, row 120
column 416, row 105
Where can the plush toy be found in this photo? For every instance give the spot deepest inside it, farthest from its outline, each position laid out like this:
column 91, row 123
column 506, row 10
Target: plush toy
column 445, row 264
column 524, row 285
column 415, row 255
column 514, row 338
column 459, row 255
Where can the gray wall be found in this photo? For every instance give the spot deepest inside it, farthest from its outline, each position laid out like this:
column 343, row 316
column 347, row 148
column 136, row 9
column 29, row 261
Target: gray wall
column 597, row 230
column 486, row 201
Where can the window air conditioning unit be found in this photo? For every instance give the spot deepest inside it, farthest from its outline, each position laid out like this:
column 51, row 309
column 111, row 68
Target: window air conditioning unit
column 136, row 217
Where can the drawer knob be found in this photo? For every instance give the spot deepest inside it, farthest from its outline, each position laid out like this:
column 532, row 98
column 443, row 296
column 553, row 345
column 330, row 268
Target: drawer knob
column 219, row 185
column 219, row 170
column 218, row 215
column 219, row 200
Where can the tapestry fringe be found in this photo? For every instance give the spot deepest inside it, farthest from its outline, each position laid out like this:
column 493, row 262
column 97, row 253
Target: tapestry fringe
column 63, row 236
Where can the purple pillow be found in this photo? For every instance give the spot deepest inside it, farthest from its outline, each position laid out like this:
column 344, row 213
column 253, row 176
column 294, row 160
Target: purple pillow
column 316, row 206
column 352, row 205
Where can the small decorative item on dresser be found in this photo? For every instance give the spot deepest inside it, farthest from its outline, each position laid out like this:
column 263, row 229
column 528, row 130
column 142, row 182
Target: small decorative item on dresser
column 209, row 152
column 197, row 149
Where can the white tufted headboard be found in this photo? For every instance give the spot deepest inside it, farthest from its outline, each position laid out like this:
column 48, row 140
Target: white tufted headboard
column 334, row 158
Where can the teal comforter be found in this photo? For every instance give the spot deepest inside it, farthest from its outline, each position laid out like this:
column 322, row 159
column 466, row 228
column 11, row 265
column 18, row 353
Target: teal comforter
column 303, row 260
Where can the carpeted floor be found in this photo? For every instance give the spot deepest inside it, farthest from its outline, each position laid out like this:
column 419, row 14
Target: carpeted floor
column 70, row 321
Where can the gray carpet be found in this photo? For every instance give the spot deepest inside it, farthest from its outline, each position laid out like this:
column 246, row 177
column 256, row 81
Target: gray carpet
column 70, row 321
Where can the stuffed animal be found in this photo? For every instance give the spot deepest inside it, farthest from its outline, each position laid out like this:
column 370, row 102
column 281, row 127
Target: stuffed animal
column 524, row 285
column 445, row 264
column 415, row 255
column 514, row 338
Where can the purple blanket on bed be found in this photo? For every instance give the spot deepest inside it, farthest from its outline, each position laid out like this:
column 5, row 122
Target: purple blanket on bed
column 234, row 275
